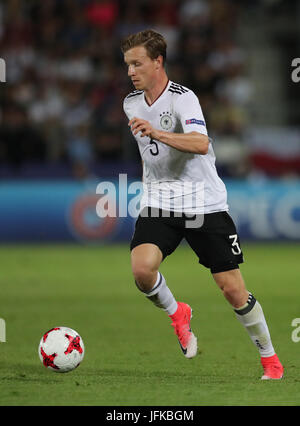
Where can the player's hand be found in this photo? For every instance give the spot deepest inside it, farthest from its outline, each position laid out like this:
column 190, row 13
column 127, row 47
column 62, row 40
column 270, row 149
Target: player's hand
column 139, row 125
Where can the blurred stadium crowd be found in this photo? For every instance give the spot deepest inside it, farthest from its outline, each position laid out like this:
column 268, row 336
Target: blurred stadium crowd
column 66, row 80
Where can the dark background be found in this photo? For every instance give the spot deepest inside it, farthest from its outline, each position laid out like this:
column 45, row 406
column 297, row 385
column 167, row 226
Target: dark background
column 61, row 106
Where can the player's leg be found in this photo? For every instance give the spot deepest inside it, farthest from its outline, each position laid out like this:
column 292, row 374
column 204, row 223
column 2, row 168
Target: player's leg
column 218, row 248
column 250, row 314
column 247, row 308
column 233, row 287
column 154, row 239
column 145, row 261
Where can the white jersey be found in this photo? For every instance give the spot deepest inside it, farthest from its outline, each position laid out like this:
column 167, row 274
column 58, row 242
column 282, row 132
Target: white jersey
column 175, row 180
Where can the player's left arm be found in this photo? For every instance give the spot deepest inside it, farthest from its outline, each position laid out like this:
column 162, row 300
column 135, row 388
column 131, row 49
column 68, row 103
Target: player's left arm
column 193, row 142
column 194, row 138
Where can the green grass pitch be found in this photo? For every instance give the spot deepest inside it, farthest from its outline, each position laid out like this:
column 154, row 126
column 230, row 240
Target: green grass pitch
column 132, row 355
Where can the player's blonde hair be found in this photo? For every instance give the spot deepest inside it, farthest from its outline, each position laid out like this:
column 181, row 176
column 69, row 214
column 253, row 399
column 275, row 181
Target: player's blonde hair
column 153, row 42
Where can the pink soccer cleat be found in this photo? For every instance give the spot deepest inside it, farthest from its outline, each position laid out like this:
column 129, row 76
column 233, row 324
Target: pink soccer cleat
column 273, row 368
column 181, row 323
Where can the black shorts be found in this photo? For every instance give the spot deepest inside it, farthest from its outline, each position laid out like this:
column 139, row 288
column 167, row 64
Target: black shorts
column 216, row 242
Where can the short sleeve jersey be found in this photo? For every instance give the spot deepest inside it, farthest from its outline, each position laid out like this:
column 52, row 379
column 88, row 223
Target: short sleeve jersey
column 175, row 180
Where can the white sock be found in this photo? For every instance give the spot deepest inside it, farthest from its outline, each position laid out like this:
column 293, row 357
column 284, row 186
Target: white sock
column 161, row 296
column 252, row 317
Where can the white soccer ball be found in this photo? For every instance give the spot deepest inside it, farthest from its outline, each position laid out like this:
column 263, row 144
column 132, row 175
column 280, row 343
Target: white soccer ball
column 61, row 349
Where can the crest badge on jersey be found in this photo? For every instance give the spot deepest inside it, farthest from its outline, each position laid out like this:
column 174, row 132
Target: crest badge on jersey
column 166, row 120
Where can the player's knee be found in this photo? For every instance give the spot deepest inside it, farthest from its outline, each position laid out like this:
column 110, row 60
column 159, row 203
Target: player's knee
column 233, row 289
column 145, row 276
column 236, row 294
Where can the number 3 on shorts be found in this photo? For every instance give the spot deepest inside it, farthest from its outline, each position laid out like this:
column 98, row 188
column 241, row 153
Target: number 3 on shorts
column 235, row 245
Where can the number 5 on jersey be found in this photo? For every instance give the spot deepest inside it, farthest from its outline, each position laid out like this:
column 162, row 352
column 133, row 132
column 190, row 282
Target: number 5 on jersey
column 154, row 149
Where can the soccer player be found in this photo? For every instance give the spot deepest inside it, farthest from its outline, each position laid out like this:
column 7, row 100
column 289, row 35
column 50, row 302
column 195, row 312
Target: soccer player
column 180, row 179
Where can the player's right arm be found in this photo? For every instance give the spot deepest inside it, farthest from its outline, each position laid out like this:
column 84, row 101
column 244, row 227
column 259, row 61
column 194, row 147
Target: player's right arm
column 127, row 112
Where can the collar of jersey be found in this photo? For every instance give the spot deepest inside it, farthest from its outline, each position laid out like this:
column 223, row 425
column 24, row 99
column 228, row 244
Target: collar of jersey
column 159, row 97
